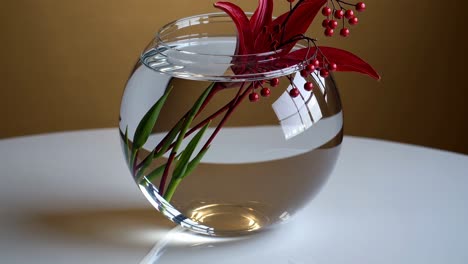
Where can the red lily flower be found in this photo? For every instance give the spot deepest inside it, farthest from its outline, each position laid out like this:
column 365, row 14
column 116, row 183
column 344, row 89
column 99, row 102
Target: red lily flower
column 263, row 34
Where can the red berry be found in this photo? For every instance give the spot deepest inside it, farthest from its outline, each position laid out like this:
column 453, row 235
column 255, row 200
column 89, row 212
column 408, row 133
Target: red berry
column 333, row 24
column 294, row 92
column 274, row 82
column 332, row 66
column 257, row 84
column 326, row 11
column 353, row 21
column 349, row 14
column 316, row 63
column 339, row 14
column 253, row 97
column 329, row 32
column 360, row 7
column 304, row 73
column 325, row 22
column 310, row 68
column 344, row 32
column 265, row 92
column 308, row 86
column 324, row 73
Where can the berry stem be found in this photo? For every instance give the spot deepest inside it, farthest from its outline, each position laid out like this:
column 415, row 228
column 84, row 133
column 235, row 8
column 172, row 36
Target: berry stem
column 334, row 7
column 289, row 15
column 343, row 2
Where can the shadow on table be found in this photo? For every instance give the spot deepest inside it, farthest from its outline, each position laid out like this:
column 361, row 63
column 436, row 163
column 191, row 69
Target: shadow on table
column 146, row 228
column 129, row 227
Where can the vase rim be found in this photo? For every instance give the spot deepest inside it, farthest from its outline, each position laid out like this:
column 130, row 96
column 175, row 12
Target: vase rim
column 162, row 50
column 193, row 18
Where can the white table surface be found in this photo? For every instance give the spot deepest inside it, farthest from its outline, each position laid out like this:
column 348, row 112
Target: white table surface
column 69, row 198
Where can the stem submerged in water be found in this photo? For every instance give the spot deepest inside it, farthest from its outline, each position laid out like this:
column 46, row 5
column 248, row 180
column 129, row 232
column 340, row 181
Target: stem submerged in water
column 179, row 132
column 187, row 121
column 171, row 189
column 240, row 96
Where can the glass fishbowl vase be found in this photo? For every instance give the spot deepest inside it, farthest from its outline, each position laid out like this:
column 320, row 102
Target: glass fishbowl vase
column 225, row 144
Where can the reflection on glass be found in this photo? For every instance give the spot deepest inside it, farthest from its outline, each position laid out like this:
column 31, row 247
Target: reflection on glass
column 298, row 114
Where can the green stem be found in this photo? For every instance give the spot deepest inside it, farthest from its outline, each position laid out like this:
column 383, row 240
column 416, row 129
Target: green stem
column 133, row 159
column 171, row 189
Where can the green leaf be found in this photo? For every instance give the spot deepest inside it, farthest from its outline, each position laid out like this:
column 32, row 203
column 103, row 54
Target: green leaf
column 170, row 138
column 182, row 164
column 149, row 120
column 124, row 138
column 145, row 165
column 194, row 163
column 154, row 174
column 191, row 115
column 126, row 141
column 133, row 155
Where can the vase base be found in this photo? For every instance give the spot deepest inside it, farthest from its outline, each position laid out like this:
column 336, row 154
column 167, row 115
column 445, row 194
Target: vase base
column 229, row 219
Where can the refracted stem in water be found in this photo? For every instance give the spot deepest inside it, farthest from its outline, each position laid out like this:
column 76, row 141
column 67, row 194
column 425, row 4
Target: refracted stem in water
column 160, row 147
column 181, row 131
column 193, row 129
column 240, row 96
column 185, row 126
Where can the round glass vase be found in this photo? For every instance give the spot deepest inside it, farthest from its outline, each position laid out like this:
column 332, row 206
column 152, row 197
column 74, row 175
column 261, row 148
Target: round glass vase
column 219, row 150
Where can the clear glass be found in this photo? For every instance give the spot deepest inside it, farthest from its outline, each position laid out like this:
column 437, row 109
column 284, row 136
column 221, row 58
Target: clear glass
column 202, row 153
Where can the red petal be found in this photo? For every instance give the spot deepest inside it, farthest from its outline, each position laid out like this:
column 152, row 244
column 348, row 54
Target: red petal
column 301, row 17
column 346, row 61
column 297, row 23
column 244, row 33
column 262, row 16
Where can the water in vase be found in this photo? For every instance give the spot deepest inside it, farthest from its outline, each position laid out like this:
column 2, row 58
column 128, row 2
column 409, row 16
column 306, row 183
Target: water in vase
column 248, row 163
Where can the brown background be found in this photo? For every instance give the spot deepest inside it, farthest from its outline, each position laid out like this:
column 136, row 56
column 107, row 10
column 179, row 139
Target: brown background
column 63, row 65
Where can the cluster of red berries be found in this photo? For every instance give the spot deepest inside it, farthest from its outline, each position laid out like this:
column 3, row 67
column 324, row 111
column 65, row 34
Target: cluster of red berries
column 325, row 67
column 340, row 13
column 323, row 70
column 264, row 91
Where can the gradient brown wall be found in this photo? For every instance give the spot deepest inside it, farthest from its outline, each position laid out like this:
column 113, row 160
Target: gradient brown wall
column 63, row 65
